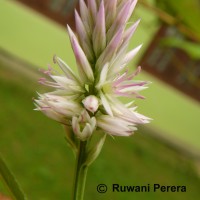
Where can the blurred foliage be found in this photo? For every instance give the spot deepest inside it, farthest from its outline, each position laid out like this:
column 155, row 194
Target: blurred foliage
column 191, row 48
column 187, row 13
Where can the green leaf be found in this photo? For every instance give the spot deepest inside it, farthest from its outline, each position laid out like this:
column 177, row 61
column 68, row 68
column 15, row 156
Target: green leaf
column 94, row 151
column 11, row 181
column 192, row 49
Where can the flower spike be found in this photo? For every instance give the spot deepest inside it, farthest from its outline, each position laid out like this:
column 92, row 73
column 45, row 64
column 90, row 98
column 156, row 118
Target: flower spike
column 91, row 98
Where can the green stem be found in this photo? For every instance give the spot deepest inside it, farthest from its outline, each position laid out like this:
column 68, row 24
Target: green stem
column 10, row 181
column 80, row 173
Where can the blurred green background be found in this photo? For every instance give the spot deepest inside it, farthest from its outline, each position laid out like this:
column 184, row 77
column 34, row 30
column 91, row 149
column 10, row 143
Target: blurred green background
column 166, row 152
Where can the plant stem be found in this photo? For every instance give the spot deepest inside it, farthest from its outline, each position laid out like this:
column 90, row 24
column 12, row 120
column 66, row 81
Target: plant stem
column 10, row 181
column 80, row 173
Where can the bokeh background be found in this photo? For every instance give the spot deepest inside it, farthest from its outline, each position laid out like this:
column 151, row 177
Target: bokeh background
column 165, row 152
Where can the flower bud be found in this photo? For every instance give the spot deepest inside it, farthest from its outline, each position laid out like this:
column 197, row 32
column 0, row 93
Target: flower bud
column 83, row 126
column 91, row 103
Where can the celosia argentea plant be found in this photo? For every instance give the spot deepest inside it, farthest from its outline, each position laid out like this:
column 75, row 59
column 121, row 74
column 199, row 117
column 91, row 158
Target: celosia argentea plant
column 87, row 103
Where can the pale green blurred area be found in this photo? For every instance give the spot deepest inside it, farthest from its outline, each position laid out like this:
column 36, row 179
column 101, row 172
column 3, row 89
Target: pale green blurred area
column 31, row 36
column 36, row 39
